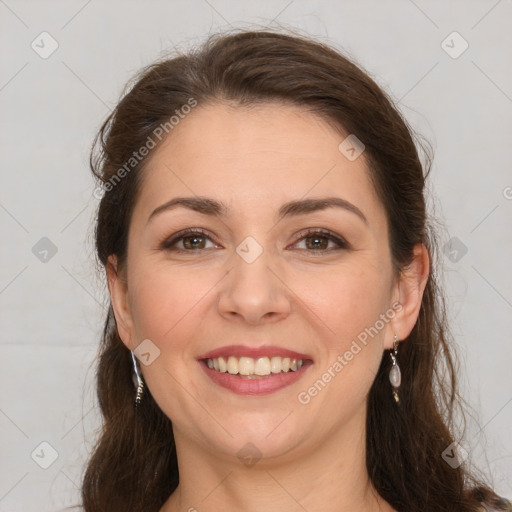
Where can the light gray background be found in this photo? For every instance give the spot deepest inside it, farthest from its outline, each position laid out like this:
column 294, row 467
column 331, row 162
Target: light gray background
column 52, row 314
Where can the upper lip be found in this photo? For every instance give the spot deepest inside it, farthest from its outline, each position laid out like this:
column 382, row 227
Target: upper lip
column 254, row 352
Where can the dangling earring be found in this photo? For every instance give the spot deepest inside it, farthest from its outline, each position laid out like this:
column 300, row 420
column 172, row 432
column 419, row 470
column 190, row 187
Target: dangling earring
column 137, row 380
column 395, row 376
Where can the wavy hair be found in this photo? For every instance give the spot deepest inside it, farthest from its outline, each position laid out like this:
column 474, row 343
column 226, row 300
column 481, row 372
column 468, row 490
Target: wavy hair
column 134, row 466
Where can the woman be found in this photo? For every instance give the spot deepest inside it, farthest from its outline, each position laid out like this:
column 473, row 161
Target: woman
column 275, row 330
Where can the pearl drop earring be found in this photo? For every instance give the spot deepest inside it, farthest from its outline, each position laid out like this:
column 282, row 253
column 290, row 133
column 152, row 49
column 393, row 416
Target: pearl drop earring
column 395, row 376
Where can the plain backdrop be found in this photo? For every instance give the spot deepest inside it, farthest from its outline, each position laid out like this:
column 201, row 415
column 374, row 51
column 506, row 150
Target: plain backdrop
column 63, row 66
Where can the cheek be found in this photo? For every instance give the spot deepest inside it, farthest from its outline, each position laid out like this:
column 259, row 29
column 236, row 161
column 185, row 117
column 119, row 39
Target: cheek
column 165, row 299
column 348, row 302
column 352, row 308
column 167, row 307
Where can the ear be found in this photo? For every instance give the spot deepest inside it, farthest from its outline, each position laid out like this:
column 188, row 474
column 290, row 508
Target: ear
column 409, row 292
column 118, row 289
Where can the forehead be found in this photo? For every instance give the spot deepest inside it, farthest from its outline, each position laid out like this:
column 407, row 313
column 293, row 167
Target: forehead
column 254, row 158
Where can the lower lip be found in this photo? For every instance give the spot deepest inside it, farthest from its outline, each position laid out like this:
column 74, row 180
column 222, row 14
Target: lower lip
column 263, row 386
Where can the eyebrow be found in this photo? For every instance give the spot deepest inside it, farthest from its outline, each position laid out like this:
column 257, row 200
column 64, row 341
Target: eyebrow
column 209, row 206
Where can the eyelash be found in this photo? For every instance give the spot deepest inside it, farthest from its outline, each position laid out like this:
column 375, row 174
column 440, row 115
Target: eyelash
column 168, row 243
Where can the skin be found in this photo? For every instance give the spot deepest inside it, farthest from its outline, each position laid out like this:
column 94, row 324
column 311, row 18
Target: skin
column 313, row 456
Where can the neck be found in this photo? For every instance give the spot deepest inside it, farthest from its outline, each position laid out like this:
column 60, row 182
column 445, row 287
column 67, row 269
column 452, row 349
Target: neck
column 331, row 478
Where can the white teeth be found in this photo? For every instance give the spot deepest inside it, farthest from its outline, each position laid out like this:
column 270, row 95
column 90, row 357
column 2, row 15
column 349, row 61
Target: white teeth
column 232, row 365
column 275, row 365
column 262, row 366
column 248, row 366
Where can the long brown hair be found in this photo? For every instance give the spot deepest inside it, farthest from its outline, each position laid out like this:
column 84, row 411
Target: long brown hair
column 134, row 465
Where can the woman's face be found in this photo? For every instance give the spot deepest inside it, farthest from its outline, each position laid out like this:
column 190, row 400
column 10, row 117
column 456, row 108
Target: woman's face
column 255, row 278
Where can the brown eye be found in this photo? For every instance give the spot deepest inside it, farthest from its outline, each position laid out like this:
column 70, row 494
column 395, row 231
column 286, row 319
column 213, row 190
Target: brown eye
column 193, row 242
column 191, row 239
column 318, row 241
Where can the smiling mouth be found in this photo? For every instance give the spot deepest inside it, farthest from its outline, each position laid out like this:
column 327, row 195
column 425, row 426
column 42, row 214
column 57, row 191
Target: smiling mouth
column 255, row 368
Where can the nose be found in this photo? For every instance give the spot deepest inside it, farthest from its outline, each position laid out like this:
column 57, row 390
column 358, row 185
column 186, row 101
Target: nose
column 254, row 291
